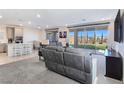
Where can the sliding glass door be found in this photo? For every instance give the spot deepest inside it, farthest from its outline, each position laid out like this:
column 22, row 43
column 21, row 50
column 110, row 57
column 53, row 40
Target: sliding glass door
column 90, row 38
column 71, row 39
column 101, row 38
column 82, row 38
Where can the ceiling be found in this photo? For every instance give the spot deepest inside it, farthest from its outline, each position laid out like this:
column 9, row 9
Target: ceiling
column 54, row 17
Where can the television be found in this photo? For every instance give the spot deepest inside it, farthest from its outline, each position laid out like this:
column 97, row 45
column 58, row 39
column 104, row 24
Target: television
column 118, row 28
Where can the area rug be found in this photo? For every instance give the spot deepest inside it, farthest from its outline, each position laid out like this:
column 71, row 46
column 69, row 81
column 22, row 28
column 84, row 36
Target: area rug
column 30, row 71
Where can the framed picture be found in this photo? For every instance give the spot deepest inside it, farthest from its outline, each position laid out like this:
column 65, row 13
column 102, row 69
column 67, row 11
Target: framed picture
column 60, row 35
column 63, row 34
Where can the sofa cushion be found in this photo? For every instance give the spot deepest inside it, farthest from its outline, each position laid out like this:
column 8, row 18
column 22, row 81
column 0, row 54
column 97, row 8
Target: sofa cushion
column 60, row 69
column 87, row 65
column 74, row 50
column 51, row 65
column 74, row 61
column 88, row 78
column 51, row 47
column 57, row 48
column 59, row 57
column 60, row 49
column 50, row 55
column 75, row 74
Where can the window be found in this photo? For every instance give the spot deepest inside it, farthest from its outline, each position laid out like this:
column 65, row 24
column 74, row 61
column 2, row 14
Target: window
column 90, row 37
column 82, row 38
column 71, row 39
column 101, row 39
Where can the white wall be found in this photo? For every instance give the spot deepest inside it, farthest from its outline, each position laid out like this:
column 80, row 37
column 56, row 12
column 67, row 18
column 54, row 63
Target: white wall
column 110, row 33
column 43, row 34
column 3, row 30
column 30, row 34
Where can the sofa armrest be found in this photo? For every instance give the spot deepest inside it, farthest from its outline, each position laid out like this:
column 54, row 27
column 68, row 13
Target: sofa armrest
column 94, row 70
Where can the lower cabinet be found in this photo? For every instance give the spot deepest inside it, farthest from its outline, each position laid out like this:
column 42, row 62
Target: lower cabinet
column 114, row 67
column 19, row 49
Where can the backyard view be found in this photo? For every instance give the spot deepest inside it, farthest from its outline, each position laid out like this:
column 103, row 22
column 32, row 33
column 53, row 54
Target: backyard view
column 71, row 39
column 96, row 39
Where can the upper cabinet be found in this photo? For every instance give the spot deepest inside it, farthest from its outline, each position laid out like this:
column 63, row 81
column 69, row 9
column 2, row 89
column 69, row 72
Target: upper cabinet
column 10, row 32
column 18, row 31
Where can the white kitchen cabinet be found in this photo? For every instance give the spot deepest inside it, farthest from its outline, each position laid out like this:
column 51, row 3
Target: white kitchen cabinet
column 18, row 31
column 20, row 49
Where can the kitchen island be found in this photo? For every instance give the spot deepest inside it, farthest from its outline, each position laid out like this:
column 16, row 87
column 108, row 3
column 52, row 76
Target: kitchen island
column 19, row 49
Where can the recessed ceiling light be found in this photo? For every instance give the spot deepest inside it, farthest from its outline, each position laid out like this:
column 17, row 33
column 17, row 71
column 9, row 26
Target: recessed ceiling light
column 38, row 15
column 1, row 17
column 66, row 24
column 21, row 24
column 39, row 27
column 47, row 26
column 29, row 22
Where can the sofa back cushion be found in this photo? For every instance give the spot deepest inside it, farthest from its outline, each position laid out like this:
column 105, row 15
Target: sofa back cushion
column 78, row 61
column 57, row 48
column 74, row 50
column 74, row 60
column 50, row 55
column 51, row 47
column 55, row 53
column 60, row 49
column 59, row 57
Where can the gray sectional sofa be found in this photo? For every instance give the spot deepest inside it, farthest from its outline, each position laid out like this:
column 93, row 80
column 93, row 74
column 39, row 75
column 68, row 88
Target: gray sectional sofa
column 70, row 62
